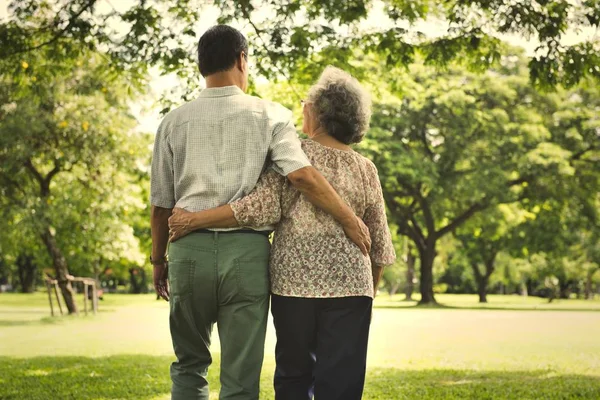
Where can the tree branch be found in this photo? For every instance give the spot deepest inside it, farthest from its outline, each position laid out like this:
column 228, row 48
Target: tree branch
column 416, row 226
column 258, row 34
column 418, row 196
column 489, row 263
column 400, row 217
column 36, row 174
column 476, row 271
column 518, row 181
column 53, row 172
column 60, row 33
column 44, row 181
column 580, row 154
column 460, row 219
column 407, row 230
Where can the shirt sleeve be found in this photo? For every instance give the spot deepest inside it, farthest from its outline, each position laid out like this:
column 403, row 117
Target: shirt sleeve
column 382, row 247
column 285, row 148
column 262, row 206
column 162, row 186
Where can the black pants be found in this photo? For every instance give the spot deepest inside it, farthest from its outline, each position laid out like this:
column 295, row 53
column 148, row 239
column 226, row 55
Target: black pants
column 321, row 347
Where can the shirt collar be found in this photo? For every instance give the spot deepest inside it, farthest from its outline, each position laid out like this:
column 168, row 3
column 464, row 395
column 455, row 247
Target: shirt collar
column 221, row 91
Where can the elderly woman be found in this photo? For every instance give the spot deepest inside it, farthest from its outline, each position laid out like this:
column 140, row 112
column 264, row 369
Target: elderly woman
column 322, row 285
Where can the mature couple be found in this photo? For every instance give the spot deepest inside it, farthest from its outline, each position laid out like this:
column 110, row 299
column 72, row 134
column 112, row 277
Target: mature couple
column 227, row 170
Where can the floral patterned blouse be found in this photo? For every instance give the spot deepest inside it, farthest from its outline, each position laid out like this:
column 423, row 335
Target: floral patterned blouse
column 311, row 256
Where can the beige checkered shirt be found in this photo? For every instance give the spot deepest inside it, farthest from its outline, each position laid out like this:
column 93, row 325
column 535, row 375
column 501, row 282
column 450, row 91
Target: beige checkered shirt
column 212, row 151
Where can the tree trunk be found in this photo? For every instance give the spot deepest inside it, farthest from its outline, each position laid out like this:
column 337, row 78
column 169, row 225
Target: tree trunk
column 410, row 274
column 144, row 283
column 529, row 286
column 589, row 293
column 61, row 269
column 565, row 289
column 523, row 289
column 483, row 279
column 482, row 282
column 96, row 266
column 427, row 257
column 133, row 281
column 27, row 273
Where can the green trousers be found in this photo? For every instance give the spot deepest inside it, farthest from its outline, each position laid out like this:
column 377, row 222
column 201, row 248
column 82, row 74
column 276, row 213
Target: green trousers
column 218, row 278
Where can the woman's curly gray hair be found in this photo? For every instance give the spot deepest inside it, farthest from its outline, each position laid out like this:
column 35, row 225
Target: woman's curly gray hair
column 341, row 104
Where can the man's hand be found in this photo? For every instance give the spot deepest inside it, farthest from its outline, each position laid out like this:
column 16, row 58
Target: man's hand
column 377, row 274
column 180, row 224
column 358, row 232
column 160, row 277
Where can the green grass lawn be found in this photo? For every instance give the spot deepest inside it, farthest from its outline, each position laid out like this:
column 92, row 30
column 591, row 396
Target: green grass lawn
column 461, row 351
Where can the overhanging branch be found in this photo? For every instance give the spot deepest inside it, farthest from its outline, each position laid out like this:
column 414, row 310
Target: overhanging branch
column 60, row 33
column 264, row 43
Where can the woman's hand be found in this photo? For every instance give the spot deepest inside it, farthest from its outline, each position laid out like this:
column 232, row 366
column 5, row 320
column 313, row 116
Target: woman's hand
column 180, row 224
column 160, row 275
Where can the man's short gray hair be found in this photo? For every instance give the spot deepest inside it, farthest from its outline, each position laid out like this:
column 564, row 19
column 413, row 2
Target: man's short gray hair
column 341, row 104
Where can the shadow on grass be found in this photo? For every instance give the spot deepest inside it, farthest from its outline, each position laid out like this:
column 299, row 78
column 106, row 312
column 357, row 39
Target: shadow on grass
column 22, row 310
column 147, row 378
column 402, row 306
column 59, row 319
column 41, row 321
column 47, row 320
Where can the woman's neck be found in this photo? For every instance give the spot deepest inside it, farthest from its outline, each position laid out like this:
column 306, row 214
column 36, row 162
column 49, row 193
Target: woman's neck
column 322, row 137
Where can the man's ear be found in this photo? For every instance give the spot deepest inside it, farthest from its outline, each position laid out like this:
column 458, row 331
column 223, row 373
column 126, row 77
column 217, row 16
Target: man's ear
column 239, row 63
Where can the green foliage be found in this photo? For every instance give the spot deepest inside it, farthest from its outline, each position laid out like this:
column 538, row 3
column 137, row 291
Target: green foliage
column 70, row 161
column 457, row 130
column 161, row 33
column 459, row 145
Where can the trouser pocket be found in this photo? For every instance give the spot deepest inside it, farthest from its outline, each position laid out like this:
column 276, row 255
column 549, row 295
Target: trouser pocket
column 181, row 276
column 252, row 276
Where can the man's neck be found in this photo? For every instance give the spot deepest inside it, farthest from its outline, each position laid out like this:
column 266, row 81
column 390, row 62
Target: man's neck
column 221, row 79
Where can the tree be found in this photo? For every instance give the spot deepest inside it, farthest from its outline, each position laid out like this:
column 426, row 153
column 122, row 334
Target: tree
column 22, row 253
column 484, row 236
column 66, row 149
column 287, row 33
column 592, row 267
column 433, row 146
column 294, row 31
column 28, row 271
column 459, row 143
column 563, row 204
column 456, row 145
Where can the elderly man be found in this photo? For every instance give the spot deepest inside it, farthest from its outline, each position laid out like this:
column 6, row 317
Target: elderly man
column 207, row 153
